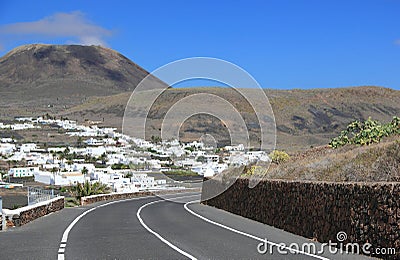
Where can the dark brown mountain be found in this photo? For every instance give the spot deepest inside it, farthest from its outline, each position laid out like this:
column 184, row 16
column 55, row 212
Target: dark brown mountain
column 64, row 75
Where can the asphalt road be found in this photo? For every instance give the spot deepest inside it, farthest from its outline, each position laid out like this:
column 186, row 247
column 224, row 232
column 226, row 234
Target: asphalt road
column 148, row 228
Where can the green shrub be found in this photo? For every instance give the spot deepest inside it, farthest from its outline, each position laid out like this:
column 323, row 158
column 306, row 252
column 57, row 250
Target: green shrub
column 366, row 133
column 279, row 157
column 88, row 189
column 180, row 172
column 255, row 170
column 119, row 166
column 71, row 202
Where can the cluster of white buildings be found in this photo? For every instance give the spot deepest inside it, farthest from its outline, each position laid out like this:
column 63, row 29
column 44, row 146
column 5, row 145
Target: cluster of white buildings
column 17, row 127
column 108, row 149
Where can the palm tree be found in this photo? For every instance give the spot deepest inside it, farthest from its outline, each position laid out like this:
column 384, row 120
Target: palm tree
column 87, row 189
column 54, row 170
column 13, row 163
column 54, row 155
column 103, row 158
column 79, row 142
column 66, row 151
column 70, row 162
column 85, row 171
column 62, row 157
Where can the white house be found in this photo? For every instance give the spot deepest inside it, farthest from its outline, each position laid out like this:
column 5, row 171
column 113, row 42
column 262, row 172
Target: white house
column 95, row 151
column 6, row 140
column 23, row 171
column 26, row 148
column 238, row 159
column 239, row 147
column 78, row 167
column 143, row 181
column 94, row 142
column 212, row 158
column 23, row 126
column 56, row 149
column 71, row 178
column 209, row 172
column 7, row 149
column 188, row 162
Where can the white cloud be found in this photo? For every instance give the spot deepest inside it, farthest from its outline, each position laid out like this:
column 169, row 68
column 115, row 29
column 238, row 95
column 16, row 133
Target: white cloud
column 74, row 26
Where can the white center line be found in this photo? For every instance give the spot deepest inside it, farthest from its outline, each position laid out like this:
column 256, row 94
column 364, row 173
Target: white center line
column 158, row 235
column 64, row 238
column 246, row 234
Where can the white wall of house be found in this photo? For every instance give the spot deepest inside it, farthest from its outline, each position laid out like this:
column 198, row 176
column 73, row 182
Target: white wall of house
column 7, row 149
column 23, row 171
column 26, row 148
column 95, row 151
column 57, row 179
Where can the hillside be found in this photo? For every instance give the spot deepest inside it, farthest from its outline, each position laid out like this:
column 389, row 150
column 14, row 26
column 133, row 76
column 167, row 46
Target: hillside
column 374, row 163
column 304, row 118
column 95, row 83
column 60, row 76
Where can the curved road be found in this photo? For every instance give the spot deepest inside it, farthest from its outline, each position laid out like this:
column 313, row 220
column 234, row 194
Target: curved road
column 148, row 228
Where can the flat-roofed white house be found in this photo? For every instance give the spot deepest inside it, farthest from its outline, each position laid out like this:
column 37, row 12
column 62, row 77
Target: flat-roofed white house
column 212, row 158
column 23, row 171
column 7, row 149
column 68, row 178
column 26, row 148
column 142, row 181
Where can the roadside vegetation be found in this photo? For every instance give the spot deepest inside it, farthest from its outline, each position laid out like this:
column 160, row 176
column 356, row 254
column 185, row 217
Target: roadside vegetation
column 73, row 194
column 366, row 133
column 366, row 151
column 87, row 189
column 279, row 157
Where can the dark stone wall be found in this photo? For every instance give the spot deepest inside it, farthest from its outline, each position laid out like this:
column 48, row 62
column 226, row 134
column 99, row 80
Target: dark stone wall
column 28, row 215
column 366, row 212
column 118, row 196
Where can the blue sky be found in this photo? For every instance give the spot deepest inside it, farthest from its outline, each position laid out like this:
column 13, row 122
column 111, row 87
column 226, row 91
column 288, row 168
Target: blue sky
column 283, row 44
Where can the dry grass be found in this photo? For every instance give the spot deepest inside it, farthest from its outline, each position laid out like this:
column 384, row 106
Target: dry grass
column 378, row 162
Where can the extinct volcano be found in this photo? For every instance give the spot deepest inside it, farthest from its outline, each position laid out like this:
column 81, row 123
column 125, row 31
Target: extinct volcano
column 59, row 76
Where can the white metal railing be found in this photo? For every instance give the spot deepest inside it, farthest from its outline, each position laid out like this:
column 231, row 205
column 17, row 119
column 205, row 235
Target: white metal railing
column 36, row 195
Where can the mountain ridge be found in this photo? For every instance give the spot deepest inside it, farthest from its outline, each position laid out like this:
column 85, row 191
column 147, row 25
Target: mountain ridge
column 95, row 83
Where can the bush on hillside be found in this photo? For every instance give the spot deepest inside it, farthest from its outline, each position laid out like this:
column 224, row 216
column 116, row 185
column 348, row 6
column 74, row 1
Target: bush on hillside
column 279, row 157
column 256, row 170
column 366, row 133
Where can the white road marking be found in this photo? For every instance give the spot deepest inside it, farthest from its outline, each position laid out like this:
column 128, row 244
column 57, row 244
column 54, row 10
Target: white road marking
column 64, row 238
column 158, row 235
column 246, row 234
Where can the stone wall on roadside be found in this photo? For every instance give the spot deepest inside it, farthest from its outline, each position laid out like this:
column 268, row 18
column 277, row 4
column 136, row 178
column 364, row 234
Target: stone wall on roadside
column 26, row 214
column 367, row 212
column 129, row 195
